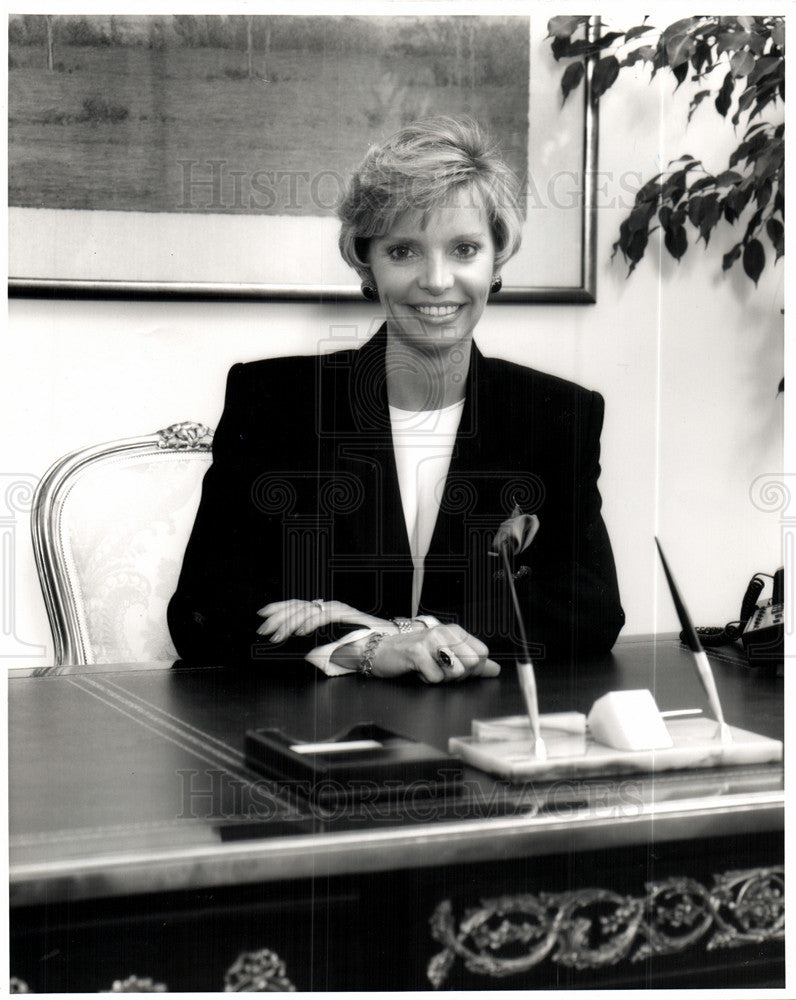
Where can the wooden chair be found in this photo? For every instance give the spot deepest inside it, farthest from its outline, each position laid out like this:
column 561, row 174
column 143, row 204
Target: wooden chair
column 110, row 524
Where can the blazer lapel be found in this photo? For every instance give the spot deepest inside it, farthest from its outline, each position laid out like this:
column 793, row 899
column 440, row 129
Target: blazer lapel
column 370, row 548
column 472, row 506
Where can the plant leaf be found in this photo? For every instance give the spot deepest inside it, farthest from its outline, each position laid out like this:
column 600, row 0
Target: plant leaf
column 676, row 241
column 679, row 28
column 582, row 47
column 753, row 223
column 729, row 258
column 674, row 188
column 711, row 213
column 639, row 29
column 738, row 198
column 701, row 183
column 646, row 52
column 701, row 56
column 640, row 217
column 563, row 26
column 724, row 98
column 754, row 260
column 605, row 73
column 696, row 100
column 680, row 73
column 636, row 246
column 748, row 148
column 679, row 49
column 776, row 233
column 742, row 63
column 573, row 74
column 763, row 193
column 764, row 66
column 732, row 41
column 728, row 177
column 678, row 215
column 650, row 191
column 754, row 128
column 696, row 210
column 769, row 161
column 744, row 101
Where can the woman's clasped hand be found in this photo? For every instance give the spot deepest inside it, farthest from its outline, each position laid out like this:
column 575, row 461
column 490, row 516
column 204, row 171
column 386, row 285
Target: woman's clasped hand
column 437, row 654
column 295, row 617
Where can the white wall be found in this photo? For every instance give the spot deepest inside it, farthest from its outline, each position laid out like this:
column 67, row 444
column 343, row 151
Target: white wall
column 687, row 358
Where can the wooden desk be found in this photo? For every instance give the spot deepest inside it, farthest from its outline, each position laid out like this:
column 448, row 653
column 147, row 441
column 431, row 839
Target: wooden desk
column 141, row 845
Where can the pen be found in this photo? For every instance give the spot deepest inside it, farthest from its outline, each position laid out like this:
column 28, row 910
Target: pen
column 525, row 671
column 703, row 667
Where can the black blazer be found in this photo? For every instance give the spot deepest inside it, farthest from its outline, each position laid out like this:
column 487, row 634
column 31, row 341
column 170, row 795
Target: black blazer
column 302, row 500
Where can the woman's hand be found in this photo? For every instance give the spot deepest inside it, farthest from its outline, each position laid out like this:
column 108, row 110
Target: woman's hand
column 295, row 617
column 438, row 654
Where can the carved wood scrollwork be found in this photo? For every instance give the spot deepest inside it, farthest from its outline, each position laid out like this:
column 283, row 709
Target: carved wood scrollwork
column 260, row 971
column 186, row 435
column 593, row 928
column 137, row 984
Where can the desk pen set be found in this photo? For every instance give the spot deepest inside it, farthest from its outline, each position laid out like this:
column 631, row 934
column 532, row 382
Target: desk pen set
column 623, row 733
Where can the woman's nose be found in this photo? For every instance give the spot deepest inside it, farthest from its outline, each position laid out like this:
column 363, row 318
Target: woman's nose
column 436, row 277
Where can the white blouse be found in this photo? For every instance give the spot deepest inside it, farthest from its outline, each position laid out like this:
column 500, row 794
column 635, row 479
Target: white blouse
column 423, row 444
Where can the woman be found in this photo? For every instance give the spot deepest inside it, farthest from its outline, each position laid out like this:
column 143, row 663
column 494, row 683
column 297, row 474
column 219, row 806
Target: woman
column 353, row 498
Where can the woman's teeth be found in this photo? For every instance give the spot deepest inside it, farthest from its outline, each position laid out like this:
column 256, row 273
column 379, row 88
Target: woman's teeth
column 437, row 310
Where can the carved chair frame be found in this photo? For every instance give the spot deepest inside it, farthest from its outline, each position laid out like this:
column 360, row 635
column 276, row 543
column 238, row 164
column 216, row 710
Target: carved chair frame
column 70, row 644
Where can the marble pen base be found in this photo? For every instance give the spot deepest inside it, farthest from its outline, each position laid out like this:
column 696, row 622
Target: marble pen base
column 502, row 747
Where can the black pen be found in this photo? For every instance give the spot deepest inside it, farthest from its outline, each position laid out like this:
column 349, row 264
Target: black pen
column 703, row 667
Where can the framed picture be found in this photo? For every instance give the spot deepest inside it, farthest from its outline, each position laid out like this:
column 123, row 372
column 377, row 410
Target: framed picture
column 204, row 155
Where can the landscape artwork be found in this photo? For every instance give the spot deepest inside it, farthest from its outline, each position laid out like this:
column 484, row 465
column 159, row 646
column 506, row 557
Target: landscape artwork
column 140, row 120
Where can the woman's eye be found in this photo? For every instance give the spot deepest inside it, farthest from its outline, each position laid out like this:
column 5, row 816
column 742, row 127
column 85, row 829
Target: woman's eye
column 400, row 252
column 465, row 250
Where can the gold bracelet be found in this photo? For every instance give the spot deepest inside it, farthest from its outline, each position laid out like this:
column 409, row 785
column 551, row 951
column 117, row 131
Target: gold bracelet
column 366, row 663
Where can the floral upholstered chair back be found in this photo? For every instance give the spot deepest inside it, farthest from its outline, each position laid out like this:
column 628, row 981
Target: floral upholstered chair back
column 110, row 525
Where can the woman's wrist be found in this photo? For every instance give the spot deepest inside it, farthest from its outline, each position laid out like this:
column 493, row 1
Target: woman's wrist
column 350, row 654
column 371, row 645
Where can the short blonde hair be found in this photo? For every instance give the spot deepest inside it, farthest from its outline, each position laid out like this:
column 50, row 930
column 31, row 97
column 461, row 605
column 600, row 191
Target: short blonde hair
column 418, row 168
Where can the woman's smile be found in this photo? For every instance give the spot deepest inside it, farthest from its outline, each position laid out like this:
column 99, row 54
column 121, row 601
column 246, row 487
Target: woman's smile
column 438, row 312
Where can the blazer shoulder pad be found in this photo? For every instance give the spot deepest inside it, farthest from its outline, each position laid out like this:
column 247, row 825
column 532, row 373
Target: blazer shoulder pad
column 531, row 379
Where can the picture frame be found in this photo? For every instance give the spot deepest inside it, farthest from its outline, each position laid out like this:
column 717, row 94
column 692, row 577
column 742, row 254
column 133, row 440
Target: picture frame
column 99, row 252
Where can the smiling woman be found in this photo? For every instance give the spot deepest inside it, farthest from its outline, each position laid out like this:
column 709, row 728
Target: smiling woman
column 355, row 532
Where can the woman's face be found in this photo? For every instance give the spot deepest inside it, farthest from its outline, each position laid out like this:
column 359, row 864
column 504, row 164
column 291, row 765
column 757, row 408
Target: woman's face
column 433, row 272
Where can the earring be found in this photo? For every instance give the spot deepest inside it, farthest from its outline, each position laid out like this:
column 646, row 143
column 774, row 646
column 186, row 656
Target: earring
column 497, row 284
column 369, row 291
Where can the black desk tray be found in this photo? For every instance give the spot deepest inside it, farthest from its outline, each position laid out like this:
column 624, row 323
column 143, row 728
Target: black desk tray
column 396, row 767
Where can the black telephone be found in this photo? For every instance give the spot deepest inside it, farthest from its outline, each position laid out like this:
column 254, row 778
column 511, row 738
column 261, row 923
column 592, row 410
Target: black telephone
column 760, row 627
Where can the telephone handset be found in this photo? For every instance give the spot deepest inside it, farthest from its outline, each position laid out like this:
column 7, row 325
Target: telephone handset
column 759, row 627
column 763, row 635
